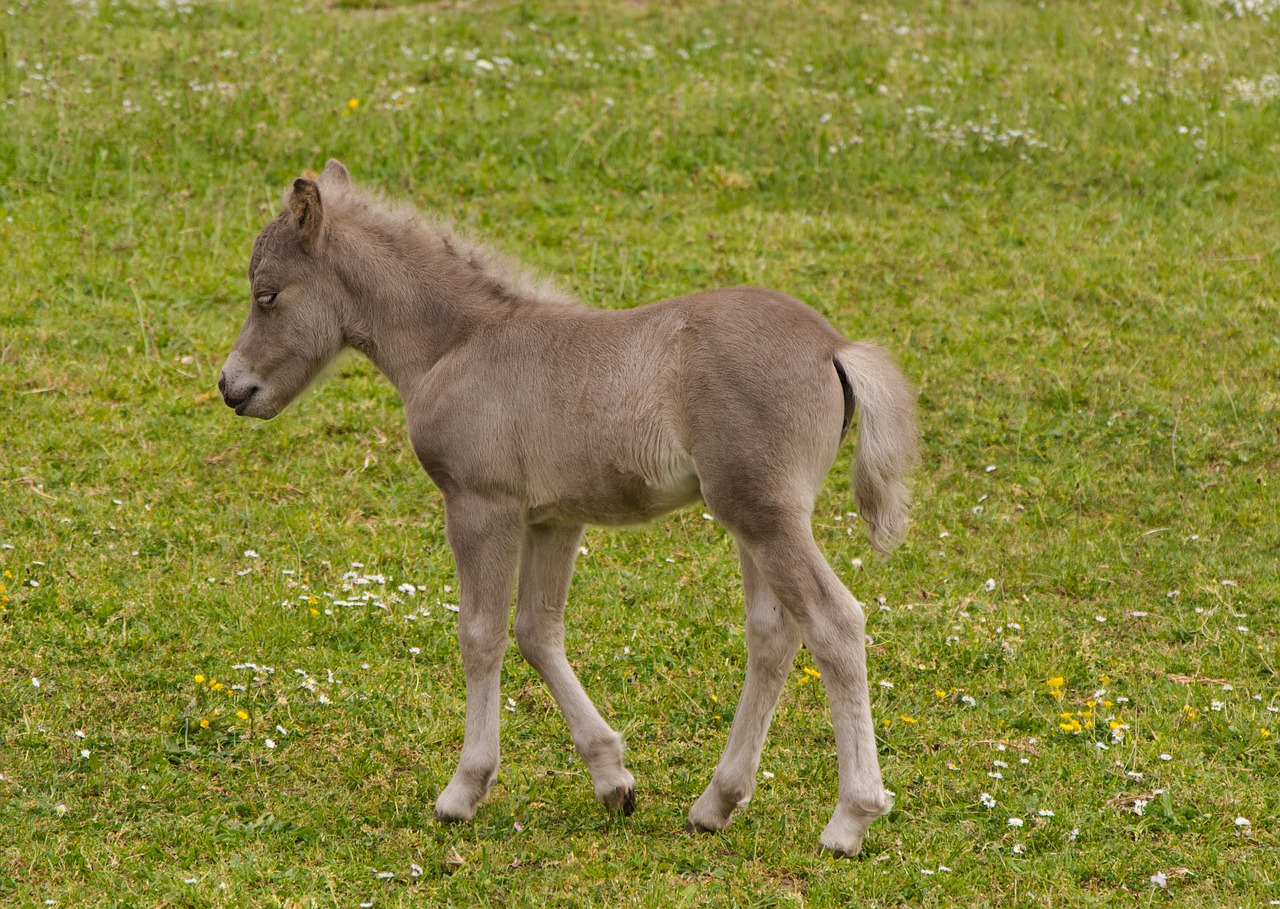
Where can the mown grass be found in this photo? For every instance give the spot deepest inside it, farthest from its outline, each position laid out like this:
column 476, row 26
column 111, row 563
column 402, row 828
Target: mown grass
column 1061, row 219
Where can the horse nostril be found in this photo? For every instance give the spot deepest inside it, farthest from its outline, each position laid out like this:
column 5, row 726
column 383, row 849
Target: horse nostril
column 236, row 397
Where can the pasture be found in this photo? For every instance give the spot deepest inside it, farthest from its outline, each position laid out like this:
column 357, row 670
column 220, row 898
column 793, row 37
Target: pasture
column 228, row 666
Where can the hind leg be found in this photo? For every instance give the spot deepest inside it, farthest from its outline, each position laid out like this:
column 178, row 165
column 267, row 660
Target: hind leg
column 772, row 640
column 772, row 525
column 833, row 627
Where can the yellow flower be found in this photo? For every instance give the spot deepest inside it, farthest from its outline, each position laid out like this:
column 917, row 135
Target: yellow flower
column 216, row 686
column 1055, row 682
column 908, row 719
column 353, row 104
column 813, row 672
column 242, row 714
column 204, row 724
column 1104, row 679
column 199, row 678
column 315, row 611
column 1264, row 732
column 939, row 692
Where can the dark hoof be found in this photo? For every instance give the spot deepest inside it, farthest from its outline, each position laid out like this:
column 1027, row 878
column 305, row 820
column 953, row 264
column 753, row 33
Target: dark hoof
column 449, row 819
column 621, row 801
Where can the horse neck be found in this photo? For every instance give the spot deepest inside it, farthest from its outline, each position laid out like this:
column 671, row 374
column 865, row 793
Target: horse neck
column 411, row 308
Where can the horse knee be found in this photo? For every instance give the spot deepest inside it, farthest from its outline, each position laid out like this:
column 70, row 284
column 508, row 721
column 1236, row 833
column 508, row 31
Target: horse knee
column 481, row 645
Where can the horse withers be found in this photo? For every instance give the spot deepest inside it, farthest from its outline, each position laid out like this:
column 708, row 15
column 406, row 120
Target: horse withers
column 536, row 415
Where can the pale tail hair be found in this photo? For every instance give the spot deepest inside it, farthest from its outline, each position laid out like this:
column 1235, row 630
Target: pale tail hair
column 887, row 441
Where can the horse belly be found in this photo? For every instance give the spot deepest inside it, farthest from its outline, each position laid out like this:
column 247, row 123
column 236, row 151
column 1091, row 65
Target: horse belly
column 612, row 496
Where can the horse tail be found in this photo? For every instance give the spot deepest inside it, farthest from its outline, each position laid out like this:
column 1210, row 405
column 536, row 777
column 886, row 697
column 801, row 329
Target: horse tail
column 887, row 439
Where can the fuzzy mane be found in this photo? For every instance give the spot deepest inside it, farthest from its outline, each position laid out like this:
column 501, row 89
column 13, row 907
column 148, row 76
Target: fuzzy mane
column 404, row 227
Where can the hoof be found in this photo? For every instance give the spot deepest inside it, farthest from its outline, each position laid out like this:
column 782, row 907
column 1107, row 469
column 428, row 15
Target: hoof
column 712, row 811
column 620, row 801
column 843, row 852
column 452, row 808
column 843, row 835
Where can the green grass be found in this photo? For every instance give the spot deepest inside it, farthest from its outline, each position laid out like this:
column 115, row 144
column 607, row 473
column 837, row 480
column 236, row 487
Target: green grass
column 1063, row 222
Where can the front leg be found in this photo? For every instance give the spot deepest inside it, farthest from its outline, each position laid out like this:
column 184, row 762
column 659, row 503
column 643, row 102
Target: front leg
column 485, row 538
column 546, row 565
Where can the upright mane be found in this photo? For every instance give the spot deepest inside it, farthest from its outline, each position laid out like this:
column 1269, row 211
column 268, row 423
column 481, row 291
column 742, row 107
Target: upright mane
column 419, row 237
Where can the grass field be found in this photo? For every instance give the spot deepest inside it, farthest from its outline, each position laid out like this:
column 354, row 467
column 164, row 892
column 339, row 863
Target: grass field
column 228, row 673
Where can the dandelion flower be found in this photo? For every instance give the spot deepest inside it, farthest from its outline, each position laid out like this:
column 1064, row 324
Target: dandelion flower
column 353, row 104
column 242, row 715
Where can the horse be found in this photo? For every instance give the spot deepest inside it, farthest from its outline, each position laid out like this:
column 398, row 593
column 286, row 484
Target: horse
column 536, row 415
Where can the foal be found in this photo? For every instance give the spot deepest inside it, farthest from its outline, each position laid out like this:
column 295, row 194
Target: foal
column 536, row 415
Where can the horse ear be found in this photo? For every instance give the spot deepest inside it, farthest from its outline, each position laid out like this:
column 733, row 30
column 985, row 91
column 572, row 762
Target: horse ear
column 308, row 214
column 335, row 174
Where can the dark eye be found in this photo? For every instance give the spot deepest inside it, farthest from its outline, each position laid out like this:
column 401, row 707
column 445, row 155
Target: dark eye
column 265, row 300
